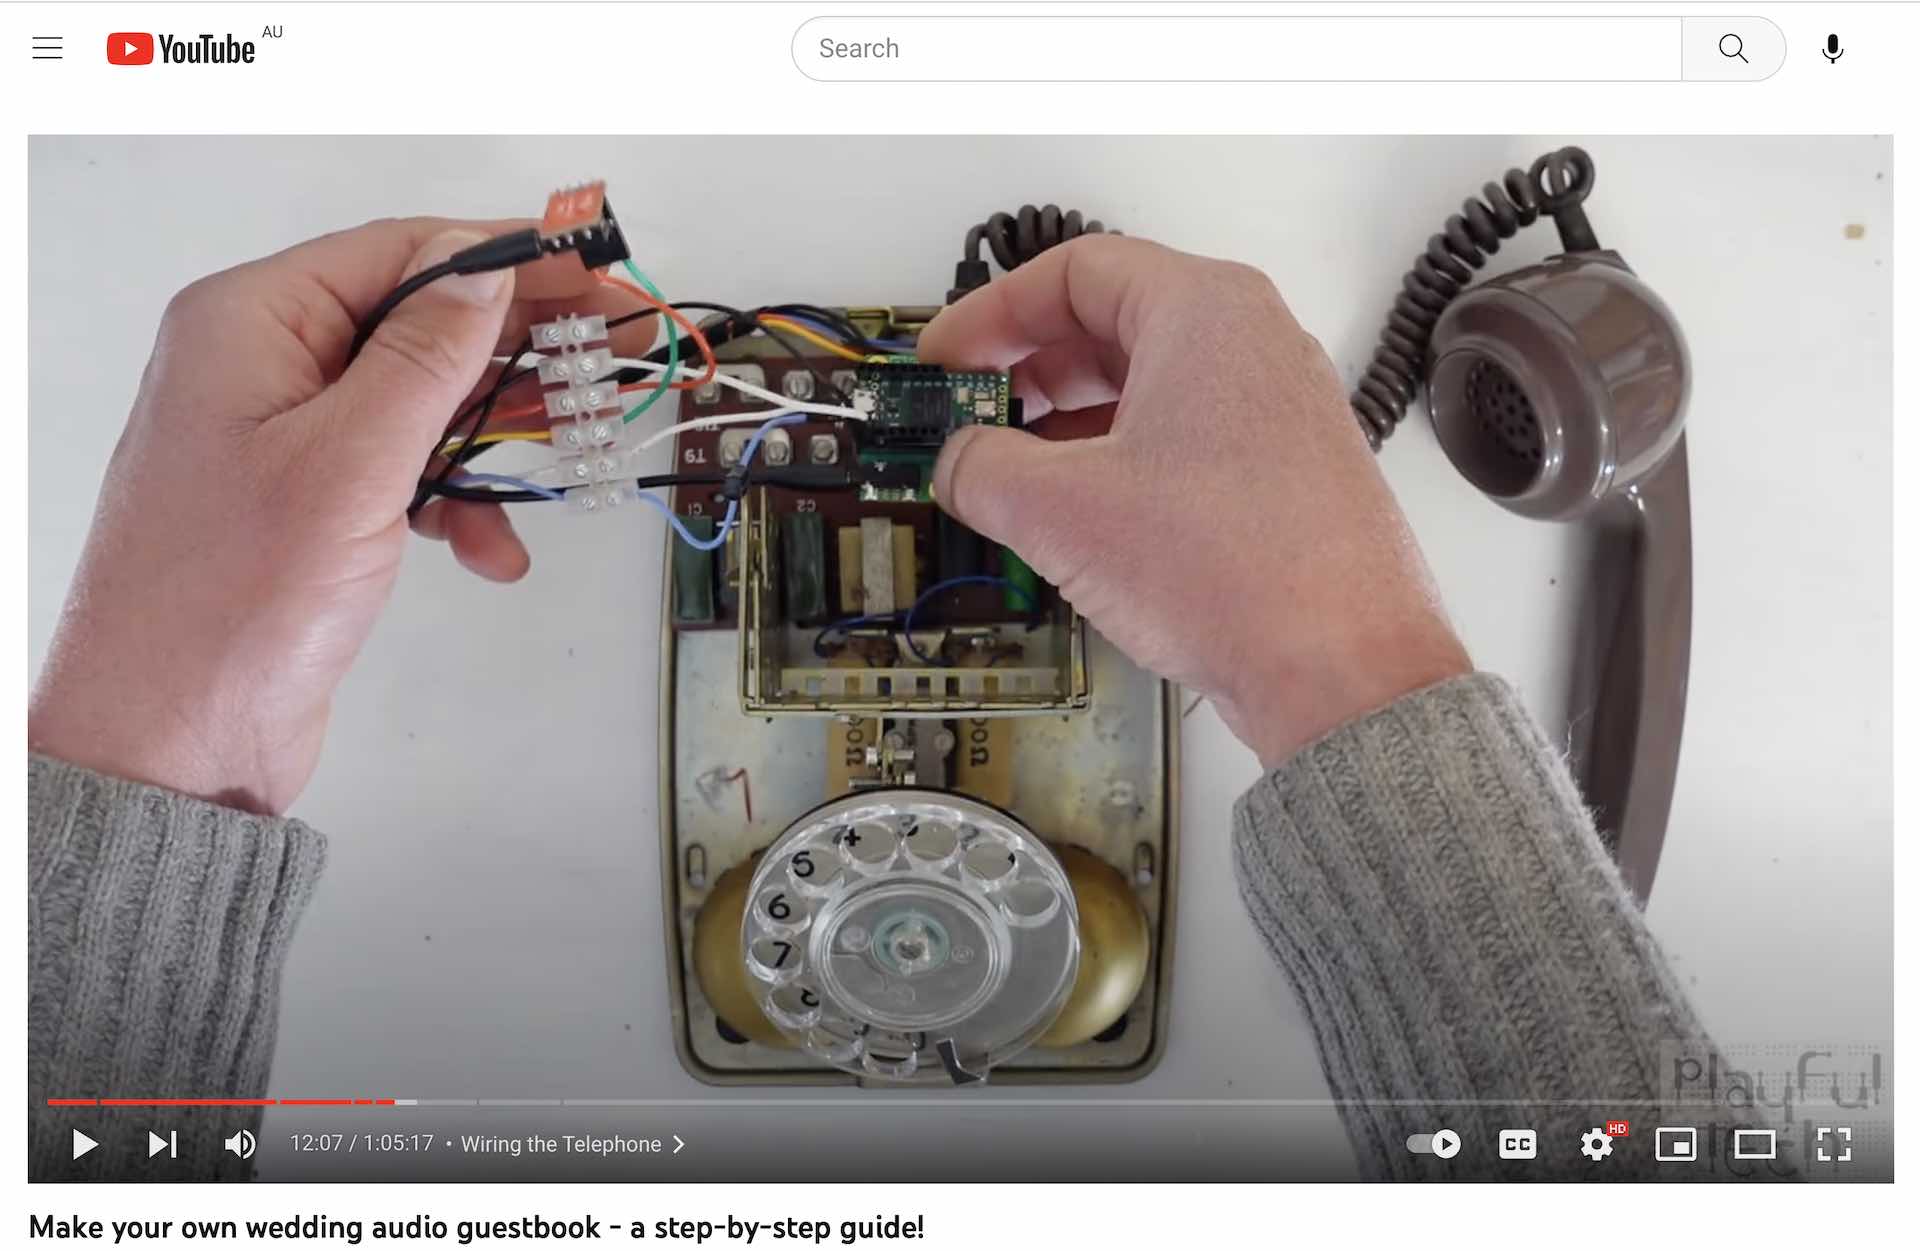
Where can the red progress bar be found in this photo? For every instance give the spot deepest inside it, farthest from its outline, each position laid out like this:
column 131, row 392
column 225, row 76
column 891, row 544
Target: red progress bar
column 217, row 1103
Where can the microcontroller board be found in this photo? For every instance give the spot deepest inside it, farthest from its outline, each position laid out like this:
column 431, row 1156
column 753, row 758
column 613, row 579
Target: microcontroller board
column 911, row 410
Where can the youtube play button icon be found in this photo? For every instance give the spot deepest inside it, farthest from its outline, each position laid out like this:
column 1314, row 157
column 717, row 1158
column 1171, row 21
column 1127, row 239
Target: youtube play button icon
column 129, row 47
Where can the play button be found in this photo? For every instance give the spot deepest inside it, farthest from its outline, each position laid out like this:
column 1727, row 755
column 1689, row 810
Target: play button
column 82, row 1144
column 129, row 47
column 1442, row 1142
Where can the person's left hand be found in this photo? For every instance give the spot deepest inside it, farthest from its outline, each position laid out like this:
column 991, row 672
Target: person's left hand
column 253, row 516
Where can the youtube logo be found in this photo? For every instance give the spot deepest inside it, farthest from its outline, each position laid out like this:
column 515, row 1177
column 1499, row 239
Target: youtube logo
column 130, row 47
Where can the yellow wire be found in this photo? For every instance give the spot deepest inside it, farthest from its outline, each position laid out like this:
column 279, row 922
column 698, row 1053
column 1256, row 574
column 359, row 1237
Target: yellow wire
column 818, row 340
column 501, row 436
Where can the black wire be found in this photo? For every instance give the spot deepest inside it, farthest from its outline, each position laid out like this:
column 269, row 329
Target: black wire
column 495, row 495
column 797, row 477
column 738, row 323
column 500, row 252
column 392, row 300
column 735, row 323
column 832, row 317
column 469, row 448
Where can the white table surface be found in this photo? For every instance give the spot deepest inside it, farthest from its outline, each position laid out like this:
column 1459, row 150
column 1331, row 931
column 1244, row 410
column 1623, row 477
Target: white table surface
column 489, row 921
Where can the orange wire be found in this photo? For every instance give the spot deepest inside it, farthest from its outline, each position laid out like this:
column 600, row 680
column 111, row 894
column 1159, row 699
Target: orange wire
column 679, row 319
column 510, row 412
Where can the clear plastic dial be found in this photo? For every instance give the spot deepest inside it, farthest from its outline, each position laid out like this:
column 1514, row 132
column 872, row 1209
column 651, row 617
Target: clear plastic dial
column 898, row 932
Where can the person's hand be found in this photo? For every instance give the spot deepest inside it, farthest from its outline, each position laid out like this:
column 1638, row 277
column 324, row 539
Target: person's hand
column 1199, row 489
column 253, row 517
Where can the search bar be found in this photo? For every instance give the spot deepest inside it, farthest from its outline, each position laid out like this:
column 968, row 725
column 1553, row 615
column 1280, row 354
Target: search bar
column 1154, row 48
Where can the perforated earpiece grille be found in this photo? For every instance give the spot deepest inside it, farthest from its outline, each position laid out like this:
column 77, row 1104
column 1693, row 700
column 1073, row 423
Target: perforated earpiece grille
column 1504, row 414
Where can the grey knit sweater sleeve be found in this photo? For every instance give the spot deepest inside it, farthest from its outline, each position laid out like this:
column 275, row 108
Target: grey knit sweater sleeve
column 1463, row 947
column 156, row 929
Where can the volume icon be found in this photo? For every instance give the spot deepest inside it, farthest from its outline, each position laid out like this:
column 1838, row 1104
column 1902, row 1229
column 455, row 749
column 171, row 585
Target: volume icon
column 241, row 1144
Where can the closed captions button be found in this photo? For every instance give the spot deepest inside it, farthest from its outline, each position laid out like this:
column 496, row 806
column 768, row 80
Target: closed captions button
column 1519, row 1144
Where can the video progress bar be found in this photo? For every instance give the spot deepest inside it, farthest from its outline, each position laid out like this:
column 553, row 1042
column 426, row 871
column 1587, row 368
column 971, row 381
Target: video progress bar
column 230, row 1103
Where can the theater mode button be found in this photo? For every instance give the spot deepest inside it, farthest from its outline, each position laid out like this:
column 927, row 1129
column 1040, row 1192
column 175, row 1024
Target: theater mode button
column 130, row 47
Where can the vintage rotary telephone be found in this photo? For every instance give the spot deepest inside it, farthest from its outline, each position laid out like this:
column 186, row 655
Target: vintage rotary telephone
column 934, row 835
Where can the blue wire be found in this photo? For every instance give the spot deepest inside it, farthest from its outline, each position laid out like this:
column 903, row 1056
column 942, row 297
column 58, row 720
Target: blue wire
column 906, row 620
column 733, row 506
column 686, row 535
column 501, row 479
column 673, row 519
column 969, row 579
column 897, row 345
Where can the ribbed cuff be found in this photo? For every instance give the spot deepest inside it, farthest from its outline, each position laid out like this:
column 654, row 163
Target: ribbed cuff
column 1463, row 948
column 157, row 929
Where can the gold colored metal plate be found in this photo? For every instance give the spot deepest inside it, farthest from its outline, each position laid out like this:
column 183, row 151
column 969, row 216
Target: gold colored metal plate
column 983, row 759
column 1115, row 949
column 717, row 959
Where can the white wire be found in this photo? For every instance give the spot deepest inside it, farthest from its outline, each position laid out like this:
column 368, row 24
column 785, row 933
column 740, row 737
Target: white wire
column 725, row 379
column 708, row 423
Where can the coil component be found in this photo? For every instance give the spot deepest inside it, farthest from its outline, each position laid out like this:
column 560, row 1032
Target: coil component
column 894, row 930
column 1555, row 185
column 1014, row 239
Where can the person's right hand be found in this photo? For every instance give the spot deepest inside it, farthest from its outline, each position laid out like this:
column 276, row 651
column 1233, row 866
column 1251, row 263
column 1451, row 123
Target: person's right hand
column 1199, row 489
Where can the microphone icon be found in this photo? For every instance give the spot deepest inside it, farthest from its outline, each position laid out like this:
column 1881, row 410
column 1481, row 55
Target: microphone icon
column 1833, row 51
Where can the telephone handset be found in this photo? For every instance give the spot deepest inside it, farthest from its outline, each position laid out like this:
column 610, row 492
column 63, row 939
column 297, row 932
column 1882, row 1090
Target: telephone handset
column 1560, row 391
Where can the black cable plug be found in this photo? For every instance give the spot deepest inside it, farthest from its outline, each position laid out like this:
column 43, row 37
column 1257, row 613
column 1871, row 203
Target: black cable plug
column 500, row 252
column 968, row 275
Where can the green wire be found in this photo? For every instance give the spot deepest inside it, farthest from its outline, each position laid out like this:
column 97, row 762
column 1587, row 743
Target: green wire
column 673, row 348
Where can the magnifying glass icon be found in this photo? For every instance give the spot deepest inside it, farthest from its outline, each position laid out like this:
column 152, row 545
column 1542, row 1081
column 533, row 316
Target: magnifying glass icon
column 1736, row 50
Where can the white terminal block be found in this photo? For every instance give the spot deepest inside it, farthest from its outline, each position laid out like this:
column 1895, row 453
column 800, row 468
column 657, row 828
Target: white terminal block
column 576, row 437
column 581, row 401
column 601, row 497
column 584, row 411
column 572, row 367
column 606, row 464
column 551, row 336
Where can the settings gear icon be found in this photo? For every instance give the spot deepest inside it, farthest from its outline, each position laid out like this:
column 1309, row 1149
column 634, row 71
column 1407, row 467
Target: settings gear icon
column 1596, row 1145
